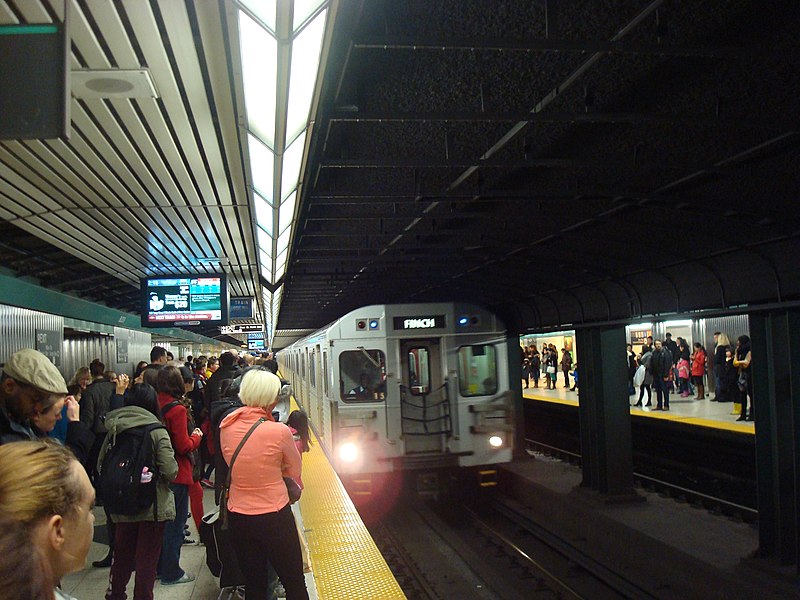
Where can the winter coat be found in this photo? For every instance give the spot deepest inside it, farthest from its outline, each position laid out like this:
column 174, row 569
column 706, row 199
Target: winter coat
column 719, row 356
column 127, row 417
column 176, row 421
column 645, row 362
column 698, row 363
column 95, row 403
column 661, row 363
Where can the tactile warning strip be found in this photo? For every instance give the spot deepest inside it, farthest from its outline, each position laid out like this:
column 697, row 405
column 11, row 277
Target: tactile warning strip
column 345, row 561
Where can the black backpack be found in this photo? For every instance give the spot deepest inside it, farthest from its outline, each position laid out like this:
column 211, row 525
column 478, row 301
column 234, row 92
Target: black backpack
column 129, row 474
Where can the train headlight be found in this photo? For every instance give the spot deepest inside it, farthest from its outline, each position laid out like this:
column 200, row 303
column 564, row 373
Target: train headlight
column 496, row 441
column 348, row 452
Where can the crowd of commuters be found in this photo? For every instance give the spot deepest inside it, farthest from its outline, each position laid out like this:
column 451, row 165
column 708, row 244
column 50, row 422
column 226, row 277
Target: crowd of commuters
column 546, row 365
column 55, row 439
column 669, row 365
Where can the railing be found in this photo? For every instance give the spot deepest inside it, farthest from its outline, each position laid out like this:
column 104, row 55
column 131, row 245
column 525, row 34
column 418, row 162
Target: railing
column 422, row 415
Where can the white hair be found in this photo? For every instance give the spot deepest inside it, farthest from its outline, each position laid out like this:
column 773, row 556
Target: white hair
column 260, row 389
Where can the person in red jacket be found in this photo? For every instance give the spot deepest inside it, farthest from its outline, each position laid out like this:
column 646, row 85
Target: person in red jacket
column 699, row 370
column 171, row 390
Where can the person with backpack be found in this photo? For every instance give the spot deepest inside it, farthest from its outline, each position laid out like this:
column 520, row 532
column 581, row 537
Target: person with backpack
column 170, row 393
column 139, row 506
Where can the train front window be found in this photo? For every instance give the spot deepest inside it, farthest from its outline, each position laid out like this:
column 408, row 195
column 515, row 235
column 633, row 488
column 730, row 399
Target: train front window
column 362, row 375
column 477, row 370
column 419, row 371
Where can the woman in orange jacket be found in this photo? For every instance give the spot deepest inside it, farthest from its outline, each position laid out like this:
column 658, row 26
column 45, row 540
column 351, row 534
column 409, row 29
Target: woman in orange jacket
column 260, row 516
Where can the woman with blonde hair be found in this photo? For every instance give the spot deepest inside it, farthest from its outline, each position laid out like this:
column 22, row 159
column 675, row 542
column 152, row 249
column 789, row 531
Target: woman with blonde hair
column 260, row 453
column 46, row 490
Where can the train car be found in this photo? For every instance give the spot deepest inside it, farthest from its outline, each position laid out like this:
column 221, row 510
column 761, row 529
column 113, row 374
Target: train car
column 420, row 388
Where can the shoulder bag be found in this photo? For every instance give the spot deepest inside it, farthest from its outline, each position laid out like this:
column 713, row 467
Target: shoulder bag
column 226, row 490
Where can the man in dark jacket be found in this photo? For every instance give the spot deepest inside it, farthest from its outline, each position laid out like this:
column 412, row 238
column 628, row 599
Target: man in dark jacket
column 29, row 383
column 227, row 370
column 95, row 403
column 661, row 367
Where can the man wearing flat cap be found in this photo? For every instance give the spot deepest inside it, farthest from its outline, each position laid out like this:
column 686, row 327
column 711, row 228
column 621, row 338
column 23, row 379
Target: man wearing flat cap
column 29, row 386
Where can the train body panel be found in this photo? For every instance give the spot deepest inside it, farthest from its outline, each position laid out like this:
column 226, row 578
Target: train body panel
column 407, row 386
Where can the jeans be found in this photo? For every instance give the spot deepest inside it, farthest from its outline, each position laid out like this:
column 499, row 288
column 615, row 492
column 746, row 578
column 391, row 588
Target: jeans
column 661, row 388
column 169, row 564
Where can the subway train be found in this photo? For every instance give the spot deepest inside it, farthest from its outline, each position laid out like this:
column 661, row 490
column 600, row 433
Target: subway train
column 407, row 388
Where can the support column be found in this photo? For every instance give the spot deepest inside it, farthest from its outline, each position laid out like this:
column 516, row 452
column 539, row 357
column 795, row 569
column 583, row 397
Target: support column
column 515, row 385
column 604, row 412
column 775, row 338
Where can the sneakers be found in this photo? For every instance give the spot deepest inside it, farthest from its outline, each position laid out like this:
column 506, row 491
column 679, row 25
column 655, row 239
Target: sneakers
column 207, row 483
column 187, row 577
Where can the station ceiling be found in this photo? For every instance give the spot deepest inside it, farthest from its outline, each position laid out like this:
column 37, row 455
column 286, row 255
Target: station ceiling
column 559, row 162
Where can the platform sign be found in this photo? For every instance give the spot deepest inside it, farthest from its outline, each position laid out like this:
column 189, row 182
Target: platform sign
column 639, row 337
column 241, row 308
column 248, row 328
column 122, row 351
column 48, row 342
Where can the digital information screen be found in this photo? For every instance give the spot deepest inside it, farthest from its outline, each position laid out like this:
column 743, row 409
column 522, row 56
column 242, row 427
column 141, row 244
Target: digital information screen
column 255, row 341
column 190, row 299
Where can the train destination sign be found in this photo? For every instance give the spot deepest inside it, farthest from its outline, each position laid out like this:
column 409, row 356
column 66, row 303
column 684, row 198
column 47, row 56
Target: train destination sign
column 420, row 322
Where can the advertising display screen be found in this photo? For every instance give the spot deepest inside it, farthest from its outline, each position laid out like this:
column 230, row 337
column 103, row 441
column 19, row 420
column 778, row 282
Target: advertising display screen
column 186, row 300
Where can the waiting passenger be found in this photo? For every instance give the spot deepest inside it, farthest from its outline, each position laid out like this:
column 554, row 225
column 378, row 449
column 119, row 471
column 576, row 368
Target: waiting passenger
column 95, row 403
column 138, row 538
column 261, row 521
column 29, row 383
column 171, row 389
column 566, row 365
column 721, row 345
column 728, row 375
column 661, row 369
column 24, row 573
column 298, row 425
column 745, row 379
column 699, row 370
column 644, row 375
column 46, row 490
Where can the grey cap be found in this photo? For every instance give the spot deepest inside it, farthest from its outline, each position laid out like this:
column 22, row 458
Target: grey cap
column 34, row 368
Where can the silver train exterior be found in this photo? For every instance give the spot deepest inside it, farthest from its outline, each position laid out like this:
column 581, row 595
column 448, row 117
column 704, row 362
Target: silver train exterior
column 390, row 388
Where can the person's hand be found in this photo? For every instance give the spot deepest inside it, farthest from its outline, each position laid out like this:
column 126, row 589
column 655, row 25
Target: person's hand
column 139, row 379
column 73, row 409
column 122, row 384
column 198, row 431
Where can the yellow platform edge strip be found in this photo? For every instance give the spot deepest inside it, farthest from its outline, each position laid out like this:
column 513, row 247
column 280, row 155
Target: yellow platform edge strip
column 345, row 561
column 697, row 421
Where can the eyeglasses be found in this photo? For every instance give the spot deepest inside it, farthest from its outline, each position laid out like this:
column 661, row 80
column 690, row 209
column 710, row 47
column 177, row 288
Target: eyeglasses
column 46, row 398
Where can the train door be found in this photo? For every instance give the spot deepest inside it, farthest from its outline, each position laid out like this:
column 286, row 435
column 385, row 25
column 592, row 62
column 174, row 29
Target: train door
column 424, row 405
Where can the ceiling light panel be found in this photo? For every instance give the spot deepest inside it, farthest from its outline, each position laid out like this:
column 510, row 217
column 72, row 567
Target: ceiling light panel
column 304, row 9
column 262, row 167
column 303, row 75
column 264, row 214
column 259, row 72
column 292, row 160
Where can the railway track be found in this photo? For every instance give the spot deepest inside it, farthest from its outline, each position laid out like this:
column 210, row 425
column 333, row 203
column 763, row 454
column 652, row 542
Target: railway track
column 447, row 550
column 680, row 493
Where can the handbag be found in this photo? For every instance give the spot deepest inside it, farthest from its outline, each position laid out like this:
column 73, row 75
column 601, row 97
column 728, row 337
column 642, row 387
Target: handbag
column 226, row 489
column 293, row 488
column 551, row 369
column 741, row 381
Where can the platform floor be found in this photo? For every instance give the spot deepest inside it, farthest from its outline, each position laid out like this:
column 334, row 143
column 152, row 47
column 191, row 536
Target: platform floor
column 91, row 583
column 702, row 413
